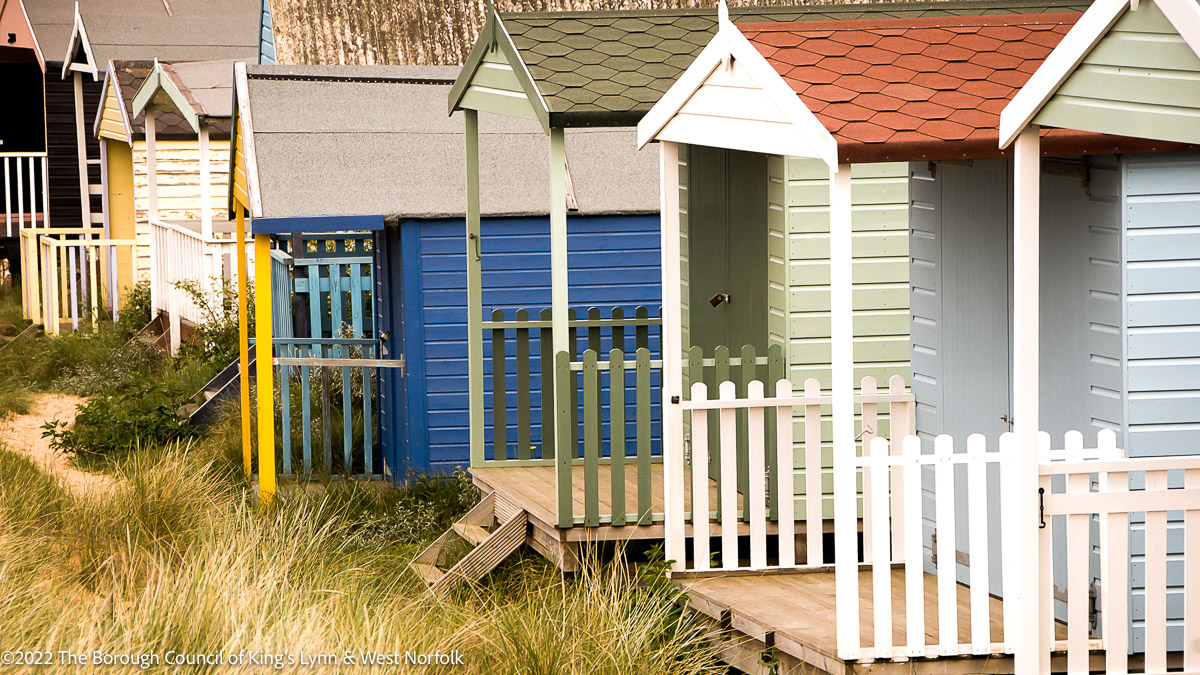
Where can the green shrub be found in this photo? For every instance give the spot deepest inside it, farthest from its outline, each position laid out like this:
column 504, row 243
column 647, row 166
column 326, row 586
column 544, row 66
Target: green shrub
column 218, row 328
column 144, row 413
column 134, row 310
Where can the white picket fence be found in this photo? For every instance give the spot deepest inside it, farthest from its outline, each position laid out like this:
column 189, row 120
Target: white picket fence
column 1109, row 497
column 69, row 275
column 726, row 513
column 178, row 253
column 25, row 179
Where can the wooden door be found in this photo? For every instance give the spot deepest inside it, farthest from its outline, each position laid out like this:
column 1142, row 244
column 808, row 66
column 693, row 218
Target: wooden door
column 727, row 246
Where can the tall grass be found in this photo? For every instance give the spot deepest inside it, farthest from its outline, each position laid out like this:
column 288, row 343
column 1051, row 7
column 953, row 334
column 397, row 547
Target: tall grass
column 180, row 559
column 417, row 32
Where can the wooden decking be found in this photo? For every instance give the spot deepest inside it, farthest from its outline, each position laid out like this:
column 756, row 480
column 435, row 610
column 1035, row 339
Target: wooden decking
column 795, row 613
column 533, row 489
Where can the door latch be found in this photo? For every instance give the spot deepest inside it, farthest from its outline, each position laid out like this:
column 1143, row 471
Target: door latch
column 717, row 299
column 1006, row 419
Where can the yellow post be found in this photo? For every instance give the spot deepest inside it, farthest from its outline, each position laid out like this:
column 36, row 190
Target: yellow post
column 243, row 336
column 263, row 355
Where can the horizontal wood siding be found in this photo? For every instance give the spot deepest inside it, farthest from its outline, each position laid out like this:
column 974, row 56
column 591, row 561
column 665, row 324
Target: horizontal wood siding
column 613, row 261
column 178, row 187
column 880, row 247
column 266, row 36
column 1141, row 80
column 62, row 148
column 112, row 121
column 1105, row 379
column 240, row 190
column 495, row 88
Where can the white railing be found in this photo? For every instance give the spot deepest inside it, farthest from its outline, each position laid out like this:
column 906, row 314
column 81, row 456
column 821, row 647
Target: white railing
column 25, row 179
column 70, row 274
column 179, row 254
column 947, row 582
column 1071, row 505
column 732, row 509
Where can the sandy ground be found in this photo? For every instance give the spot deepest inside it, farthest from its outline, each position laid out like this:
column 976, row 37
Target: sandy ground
column 23, row 434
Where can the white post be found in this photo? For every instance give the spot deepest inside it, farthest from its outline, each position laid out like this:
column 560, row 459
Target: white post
column 152, row 209
column 205, row 184
column 1032, row 655
column 845, row 499
column 672, row 356
column 81, row 145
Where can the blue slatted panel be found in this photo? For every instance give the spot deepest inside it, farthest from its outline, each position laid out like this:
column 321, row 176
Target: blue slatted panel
column 614, row 261
column 266, row 44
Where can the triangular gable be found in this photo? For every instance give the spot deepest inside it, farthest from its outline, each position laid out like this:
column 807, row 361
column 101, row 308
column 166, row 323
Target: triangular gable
column 14, row 20
column 79, row 56
column 731, row 97
column 242, row 160
column 111, row 120
column 161, row 89
column 1128, row 70
column 494, row 79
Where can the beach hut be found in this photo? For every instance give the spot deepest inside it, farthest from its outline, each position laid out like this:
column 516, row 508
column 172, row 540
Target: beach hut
column 74, row 43
column 970, row 527
column 391, row 193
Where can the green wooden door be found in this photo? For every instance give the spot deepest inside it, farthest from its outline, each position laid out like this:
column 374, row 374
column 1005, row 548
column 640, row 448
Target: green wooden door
column 727, row 249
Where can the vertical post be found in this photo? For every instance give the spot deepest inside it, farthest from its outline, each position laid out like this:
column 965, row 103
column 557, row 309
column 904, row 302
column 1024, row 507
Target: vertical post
column 672, row 356
column 85, row 199
column 156, row 262
column 1032, row 655
column 205, row 184
column 845, row 498
column 243, row 335
column 474, row 290
column 565, row 397
column 265, row 368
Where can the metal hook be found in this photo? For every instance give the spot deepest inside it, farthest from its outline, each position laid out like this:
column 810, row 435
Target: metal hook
column 1041, row 508
column 473, row 237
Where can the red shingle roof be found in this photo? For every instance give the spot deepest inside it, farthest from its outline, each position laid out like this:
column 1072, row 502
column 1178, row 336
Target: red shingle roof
column 919, row 88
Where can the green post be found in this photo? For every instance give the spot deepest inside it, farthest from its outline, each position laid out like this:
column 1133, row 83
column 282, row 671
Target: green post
column 474, row 290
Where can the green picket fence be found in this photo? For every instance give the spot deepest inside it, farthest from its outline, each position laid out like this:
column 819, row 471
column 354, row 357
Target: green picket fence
column 608, row 419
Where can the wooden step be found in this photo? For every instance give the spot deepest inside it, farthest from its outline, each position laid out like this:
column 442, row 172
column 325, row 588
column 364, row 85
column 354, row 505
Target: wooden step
column 486, row 556
column 428, row 573
column 472, row 533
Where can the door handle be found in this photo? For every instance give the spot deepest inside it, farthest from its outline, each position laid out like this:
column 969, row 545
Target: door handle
column 717, row 299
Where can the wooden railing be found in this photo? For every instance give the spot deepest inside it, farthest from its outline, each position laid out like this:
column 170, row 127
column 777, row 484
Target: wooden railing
column 179, row 254
column 25, row 179
column 752, row 435
column 611, row 429
column 69, row 275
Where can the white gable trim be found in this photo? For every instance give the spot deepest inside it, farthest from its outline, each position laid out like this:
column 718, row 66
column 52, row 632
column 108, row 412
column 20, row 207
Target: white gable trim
column 1095, row 23
column 245, row 127
column 79, row 36
column 730, row 45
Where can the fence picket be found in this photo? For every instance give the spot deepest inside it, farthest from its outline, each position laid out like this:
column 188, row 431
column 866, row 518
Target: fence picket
column 717, row 458
column 549, row 380
column 776, row 371
column 749, row 374
column 870, row 425
column 701, row 530
column 914, row 587
column 306, row 412
column 785, row 474
column 642, row 376
column 1008, row 533
column 591, row 440
column 616, row 426
column 1078, row 572
column 1115, row 576
column 1045, row 563
column 881, row 568
column 902, row 425
column 728, row 478
column 1156, row 579
column 977, row 542
column 757, row 469
column 524, row 424
column 499, row 390
column 814, row 503
column 947, row 596
column 564, row 382
column 285, row 415
column 1191, row 582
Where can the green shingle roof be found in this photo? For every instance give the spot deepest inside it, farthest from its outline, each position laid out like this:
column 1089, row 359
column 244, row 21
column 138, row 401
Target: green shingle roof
column 607, row 69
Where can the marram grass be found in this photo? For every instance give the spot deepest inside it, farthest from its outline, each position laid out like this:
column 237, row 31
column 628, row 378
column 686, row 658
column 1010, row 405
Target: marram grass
column 179, row 559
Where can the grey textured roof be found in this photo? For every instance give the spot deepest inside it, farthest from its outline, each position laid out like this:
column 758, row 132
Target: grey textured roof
column 193, row 30
column 377, row 141
column 609, row 68
column 169, row 123
column 207, row 84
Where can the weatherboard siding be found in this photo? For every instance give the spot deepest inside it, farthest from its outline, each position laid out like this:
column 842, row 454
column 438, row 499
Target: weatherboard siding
column 178, row 165
column 495, row 88
column 112, row 121
column 880, row 196
column 1141, row 80
column 613, row 261
column 266, row 36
